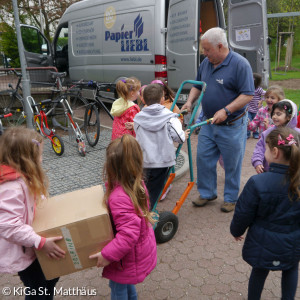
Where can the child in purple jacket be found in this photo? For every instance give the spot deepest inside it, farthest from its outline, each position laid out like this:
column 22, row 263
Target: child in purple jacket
column 284, row 113
column 131, row 256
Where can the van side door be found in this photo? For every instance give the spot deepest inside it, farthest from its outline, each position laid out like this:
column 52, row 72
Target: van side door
column 248, row 34
column 182, row 41
column 37, row 48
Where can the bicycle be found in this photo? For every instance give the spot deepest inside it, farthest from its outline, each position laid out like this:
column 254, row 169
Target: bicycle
column 13, row 102
column 2, row 117
column 41, row 125
column 76, row 101
column 68, row 113
column 91, row 115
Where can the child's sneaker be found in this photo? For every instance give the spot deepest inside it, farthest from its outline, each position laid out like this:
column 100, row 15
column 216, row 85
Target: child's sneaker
column 163, row 197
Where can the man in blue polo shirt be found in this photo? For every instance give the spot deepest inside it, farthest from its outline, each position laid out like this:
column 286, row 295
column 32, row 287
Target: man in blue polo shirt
column 230, row 88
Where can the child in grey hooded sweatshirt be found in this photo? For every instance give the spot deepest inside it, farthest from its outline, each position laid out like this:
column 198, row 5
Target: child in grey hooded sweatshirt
column 156, row 129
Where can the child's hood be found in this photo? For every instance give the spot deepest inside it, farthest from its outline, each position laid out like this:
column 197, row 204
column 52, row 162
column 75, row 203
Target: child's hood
column 293, row 122
column 153, row 117
column 8, row 173
column 119, row 106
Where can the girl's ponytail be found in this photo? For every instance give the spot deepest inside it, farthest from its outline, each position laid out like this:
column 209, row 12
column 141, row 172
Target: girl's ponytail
column 127, row 85
column 294, row 169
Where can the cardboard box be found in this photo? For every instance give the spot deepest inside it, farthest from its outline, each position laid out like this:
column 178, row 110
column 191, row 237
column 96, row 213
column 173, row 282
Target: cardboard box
column 84, row 223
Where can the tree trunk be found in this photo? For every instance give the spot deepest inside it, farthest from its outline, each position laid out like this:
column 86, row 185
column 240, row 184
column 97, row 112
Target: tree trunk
column 289, row 52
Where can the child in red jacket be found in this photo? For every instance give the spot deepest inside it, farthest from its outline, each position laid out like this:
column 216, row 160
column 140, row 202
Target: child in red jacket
column 124, row 109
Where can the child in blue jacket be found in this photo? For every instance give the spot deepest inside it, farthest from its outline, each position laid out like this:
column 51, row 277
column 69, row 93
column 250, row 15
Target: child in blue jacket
column 269, row 207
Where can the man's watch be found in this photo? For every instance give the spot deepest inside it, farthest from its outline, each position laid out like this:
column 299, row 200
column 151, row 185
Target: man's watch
column 228, row 113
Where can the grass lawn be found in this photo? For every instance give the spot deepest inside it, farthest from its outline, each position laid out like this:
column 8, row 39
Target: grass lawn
column 293, row 95
column 281, row 75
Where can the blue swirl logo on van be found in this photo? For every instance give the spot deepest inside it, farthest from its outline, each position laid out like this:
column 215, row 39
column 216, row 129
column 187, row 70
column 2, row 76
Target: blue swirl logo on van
column 138, row 26
column 130, row 40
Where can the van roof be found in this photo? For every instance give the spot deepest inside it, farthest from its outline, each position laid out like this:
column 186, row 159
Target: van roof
column 87, row 3
column 90, row 3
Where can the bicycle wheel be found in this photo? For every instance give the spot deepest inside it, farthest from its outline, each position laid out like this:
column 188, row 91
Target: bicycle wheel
column 59, row 146
column 77, row 104
column 92, row 125
column 11, row 104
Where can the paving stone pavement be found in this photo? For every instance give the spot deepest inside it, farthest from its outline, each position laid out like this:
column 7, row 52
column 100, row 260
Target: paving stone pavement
column 202, row 261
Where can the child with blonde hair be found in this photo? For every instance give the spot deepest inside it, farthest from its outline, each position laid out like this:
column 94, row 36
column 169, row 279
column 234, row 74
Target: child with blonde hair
column 23, row 184
column 124, row 109
column 131, row 256
column 269, row 208
column 263, row 120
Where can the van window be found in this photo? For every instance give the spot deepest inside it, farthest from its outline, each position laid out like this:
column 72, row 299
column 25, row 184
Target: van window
column 61, row 48
column 62, row 39
column 33, row 41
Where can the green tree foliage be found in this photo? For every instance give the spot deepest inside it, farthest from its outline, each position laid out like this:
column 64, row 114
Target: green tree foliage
column 29, row 13
column 51, row 10
column 9, row 44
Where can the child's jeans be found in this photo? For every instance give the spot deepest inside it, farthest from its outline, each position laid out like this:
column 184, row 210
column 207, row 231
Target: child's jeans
column 34, row 279
column 251, row 116
column 121, row 291
column 289, row 281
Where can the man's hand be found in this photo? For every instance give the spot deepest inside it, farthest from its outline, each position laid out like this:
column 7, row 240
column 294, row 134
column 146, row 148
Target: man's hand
column 187, row 106
column 219, row 117
column 193, row 96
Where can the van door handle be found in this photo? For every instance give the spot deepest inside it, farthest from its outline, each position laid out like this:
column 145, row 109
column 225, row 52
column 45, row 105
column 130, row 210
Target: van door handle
column 171, row 69
column 43, row 57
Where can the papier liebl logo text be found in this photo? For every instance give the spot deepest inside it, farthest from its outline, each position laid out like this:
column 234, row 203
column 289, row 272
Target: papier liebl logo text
column 130, row 40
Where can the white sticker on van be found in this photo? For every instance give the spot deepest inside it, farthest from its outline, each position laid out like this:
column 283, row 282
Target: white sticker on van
column 243, row 35
column 85, row 37
column 110, row 17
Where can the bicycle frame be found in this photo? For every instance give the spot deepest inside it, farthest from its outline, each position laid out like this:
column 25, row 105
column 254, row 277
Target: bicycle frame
column 14, row 95
column 99, row 101
column 41, row 122
column 69, row 113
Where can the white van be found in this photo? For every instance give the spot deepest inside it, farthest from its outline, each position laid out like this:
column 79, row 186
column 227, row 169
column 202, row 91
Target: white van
column 107, row 40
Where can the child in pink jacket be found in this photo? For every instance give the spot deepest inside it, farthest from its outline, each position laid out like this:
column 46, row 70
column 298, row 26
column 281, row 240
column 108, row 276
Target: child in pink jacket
column 263, row 120
column 22, row 182
column 131, row 256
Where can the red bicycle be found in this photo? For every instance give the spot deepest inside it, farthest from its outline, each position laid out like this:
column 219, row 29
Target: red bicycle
column 41, row 125
column 2, row 117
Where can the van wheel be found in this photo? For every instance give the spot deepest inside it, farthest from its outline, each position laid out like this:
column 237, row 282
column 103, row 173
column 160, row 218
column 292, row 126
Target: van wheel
column 166, row 227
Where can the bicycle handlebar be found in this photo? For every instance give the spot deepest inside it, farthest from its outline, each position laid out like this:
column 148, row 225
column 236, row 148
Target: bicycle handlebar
column 16, row 73
column 93, row 84
column 5, row 116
